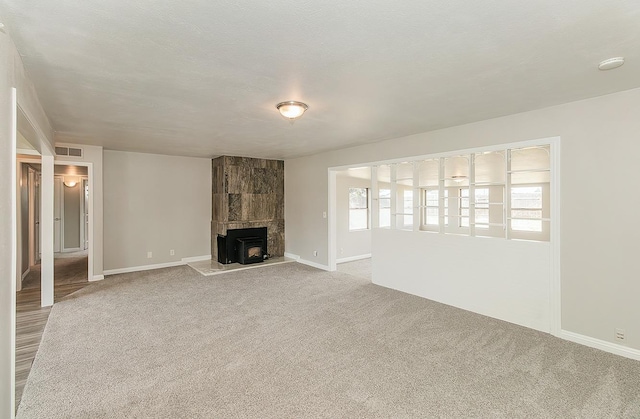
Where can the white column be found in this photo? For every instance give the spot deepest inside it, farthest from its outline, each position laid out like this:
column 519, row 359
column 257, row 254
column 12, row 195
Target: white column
column 46, row 231
column 8, row 261
column 375, row 198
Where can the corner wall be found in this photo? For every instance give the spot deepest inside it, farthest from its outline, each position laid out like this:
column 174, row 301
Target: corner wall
column 155, row 203
column 12, row 75
column 599, row 140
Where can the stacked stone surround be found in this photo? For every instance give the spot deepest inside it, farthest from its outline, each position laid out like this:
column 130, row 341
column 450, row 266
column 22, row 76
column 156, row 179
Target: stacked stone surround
column 246, row 193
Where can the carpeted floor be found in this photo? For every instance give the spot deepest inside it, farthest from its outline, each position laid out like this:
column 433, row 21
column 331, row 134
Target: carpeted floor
column 361, row 268
column 290, row 341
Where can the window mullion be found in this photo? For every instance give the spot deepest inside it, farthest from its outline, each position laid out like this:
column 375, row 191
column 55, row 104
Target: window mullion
column 441, row 197
column 375, row 198
column 472, row 195
column 394, row 197
column 416, row 196
column 507, row 197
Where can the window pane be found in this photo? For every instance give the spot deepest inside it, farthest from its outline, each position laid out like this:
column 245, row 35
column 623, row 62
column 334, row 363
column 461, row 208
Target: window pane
column 432, row 209
column 456, row 171
column 464, row 207
column 482, row 207
column 490, row 167
column 526, row 197
column 530, row 158
column 358, row 208
column 432, row 198
column 526, row 204
column 358, row 219
column 429, row 173
column 408, row 202
column 482, row 197
column 482, row 216
column 384, row 208
column 446, row 207
column 526, row 225
column 385, row 217
column 358, row 198
column 432, row 216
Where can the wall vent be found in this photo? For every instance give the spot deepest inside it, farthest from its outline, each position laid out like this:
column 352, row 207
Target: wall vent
column 68, row 151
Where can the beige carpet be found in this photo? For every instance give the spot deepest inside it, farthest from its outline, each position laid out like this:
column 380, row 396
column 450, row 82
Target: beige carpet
column 290, row 341
column 361, row 268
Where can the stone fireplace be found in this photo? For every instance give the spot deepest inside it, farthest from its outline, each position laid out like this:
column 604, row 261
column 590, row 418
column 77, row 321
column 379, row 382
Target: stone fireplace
column 248, row 193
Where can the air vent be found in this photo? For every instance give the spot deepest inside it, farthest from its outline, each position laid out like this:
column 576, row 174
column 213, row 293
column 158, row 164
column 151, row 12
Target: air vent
column 68, row 151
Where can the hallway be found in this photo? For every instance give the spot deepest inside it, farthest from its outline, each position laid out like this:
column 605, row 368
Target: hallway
column 70, row 275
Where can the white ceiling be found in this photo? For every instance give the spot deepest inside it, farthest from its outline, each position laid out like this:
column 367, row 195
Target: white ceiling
column 201, row 78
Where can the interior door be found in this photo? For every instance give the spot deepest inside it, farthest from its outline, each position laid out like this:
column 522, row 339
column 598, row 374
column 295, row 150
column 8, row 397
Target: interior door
column 85, row 207
column 57, row 214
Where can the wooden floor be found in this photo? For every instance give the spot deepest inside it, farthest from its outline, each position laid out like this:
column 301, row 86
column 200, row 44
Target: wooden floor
column 30, row 322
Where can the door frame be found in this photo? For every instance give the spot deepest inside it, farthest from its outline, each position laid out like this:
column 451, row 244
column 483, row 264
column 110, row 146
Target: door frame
column 90, row 177
column 58, row 200
column 34, row 256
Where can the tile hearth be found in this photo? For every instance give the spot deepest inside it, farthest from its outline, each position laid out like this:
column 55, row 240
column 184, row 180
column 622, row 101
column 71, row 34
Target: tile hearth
column 213, row 267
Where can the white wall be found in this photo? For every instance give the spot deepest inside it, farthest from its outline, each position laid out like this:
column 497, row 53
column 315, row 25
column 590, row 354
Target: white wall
column 599, row 139
column 350, row 244
column 155, row 203
column 505, row 279
column 12, row 74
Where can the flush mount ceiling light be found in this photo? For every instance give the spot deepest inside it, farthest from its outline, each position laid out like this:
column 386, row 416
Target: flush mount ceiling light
column 458, row 178
column 611, row 63
column 291, row 109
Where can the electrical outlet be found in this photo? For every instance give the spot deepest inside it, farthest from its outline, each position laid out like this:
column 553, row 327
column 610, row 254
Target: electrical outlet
column 149, row 255
column 619, row 334
column 172, row 252
column 324, row 214
column 341, row 251
column 315, row 253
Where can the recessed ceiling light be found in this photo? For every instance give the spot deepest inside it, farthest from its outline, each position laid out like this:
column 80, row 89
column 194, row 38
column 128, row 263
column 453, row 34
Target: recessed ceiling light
column 611, row 63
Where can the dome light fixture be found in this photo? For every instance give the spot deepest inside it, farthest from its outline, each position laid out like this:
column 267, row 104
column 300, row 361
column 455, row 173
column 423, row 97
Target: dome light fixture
column 459, row 178
column 292, row 109
column 611, row 63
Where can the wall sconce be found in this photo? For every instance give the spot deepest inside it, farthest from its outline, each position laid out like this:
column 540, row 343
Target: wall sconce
column 70, row 182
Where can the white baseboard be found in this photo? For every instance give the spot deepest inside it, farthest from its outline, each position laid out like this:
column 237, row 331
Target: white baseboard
column 24, row 275
column 603, row 345
column 143, row 268
column 181, row 262
column 196, row 258
column 353, row 258
column 97, row 278
column 306, row 262
column 313, row 264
